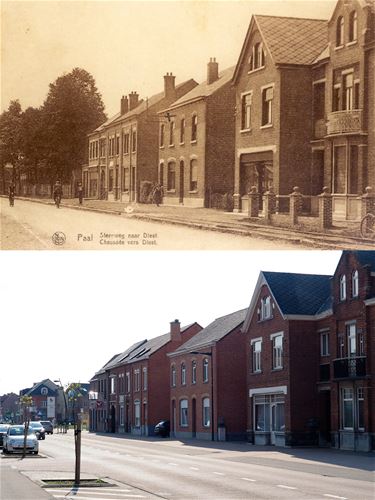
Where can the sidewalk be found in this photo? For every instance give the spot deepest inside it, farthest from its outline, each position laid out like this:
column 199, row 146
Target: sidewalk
column 342, row 236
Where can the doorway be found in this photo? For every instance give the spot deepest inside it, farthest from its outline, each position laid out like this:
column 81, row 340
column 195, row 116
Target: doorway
column 182, row 178
column 194, row 418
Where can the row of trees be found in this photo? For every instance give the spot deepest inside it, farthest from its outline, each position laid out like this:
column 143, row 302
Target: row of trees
column 50, row 142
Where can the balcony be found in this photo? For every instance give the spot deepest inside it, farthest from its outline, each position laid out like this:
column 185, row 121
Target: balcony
column 349, row 368
column 344, row 122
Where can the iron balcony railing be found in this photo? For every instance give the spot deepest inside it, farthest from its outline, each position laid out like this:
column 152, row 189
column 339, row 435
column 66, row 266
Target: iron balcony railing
column 344, row 122
column 349, row 368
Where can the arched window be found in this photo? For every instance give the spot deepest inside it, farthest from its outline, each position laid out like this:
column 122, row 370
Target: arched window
column 193, row 372
column 206, row 412
column 173, row 376
column 353, row 26
column 182, row 130
column 193, row 175
column 355, row 288
column 184, row 413
column 183, row 374
column 205, row 370
column 171, row 180
column 194, row 128
column 162, row 132
column 343, row 287
column 340, row 32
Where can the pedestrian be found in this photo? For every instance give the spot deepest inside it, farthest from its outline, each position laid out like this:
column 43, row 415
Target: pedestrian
column 80, row 193
column 157, row 194
column 12, row 192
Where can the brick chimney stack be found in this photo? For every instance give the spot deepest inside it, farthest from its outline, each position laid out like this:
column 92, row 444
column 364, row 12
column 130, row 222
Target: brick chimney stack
column 212, row 71
column 169, row 86
column 124, row 105
column 133, row 100
column 175, row 331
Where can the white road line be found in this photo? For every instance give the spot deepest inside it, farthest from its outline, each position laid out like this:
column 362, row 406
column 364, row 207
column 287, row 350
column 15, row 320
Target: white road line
column 286, row 487
column 194, row 468
column 170, row 463
column 248, row 479
column 219, row 473
column 92, row 491
column 334, row 496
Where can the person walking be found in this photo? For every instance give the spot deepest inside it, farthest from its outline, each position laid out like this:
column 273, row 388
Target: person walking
column 80, row 193
column 157, row 194
column 12, row 193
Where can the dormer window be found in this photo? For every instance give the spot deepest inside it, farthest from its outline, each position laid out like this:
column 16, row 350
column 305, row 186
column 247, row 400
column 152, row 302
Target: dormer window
column 340, row 32
column 265, row 308
column 355, row 288
column 343, row 287
column 353, row 26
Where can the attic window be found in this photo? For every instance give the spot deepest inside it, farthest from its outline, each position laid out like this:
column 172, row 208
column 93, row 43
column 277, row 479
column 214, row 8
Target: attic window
column 265, row 308
column 340, row 32
column 257, row 57
column 353, row 26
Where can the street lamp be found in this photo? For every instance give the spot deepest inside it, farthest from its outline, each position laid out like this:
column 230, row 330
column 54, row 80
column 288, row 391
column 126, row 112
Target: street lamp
column 209, row 354
column 65, row 401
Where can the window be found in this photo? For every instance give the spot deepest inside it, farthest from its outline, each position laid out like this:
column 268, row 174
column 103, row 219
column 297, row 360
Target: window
column 351, row 333
column 324, row 344
column 194, row 128
column 184, row 413
column 126, row 141
column 341, row 346
column 265, row 308
column 171, row 179
column 256, row 345
column 361, row 343
column 113, row 385
column 246, row 111
column 347, row 408
column 162, row 133
column 183, row 374
column 206, row 412
column 110, row 180
column 134, row 141
column 360, row 408
column 136, row 380
column 171, row 133
column 117, row 144
column 182, row 130
column 348, row 93
column 353, row 26
column 257, row 57
column 193, row 175
column 137, row 413
column 144, row 370
column 102, row 148
column 173, row 376
column 340, row 32
column 356, row 94
column 267, row 99
column 336, row 98
column 343, row 287
column 44, row 391
column 125, row 179
column 121, row 415
column 269, row 412
column 194, row 372
column 355, row 283
column 277, row 351
column 205, row 370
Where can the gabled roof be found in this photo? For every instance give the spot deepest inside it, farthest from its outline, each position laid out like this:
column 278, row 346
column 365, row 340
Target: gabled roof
column 46, row 382
column 289, row 40
column 294, row 294
column 365, row 258
column 214, row 332
column 118, row 358
column 204, row 89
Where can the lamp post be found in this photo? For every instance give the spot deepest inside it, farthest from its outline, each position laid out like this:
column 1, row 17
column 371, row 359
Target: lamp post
column 210, row 354
column 65, row 401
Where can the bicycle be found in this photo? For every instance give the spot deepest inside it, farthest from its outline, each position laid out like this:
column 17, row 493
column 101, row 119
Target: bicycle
column 57, row 200
column 11, row 200
column 368, row 226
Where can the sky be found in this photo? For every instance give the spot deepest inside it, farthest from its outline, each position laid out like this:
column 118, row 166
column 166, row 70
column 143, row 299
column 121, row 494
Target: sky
column 126, row 45
column 64, row 315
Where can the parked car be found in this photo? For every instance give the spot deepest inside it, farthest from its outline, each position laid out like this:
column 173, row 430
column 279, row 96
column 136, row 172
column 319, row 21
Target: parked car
column 162, row 428
column 39, row 430
column 14, row 439
column 3, row 431
column 48, row 427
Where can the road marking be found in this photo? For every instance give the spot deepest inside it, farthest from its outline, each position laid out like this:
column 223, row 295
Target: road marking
column 113, row 490
column 170, row 463
column 194, row 468
column 74, row 496
column 286, row 487
column 334, row 496
column 219, row 473
column 248, row 479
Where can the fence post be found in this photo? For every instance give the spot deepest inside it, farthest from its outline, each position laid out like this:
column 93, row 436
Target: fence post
column 325, row 209
column 269, row 205
column 368, row 202
column 253, row 202
column 295, row 205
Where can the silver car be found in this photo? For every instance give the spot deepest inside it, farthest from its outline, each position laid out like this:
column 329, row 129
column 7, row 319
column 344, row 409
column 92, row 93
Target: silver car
column 13, row 440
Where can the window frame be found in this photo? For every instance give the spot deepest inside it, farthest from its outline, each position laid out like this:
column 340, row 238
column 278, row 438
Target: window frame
column 246, row 111
column 183, row 373
column 353, row 27
column 171, row 176
column 184, row 413
column 267, row 106
column 355, row 284
column 194, row 128
column 193, row 372
column 206, row 412
column 256, row 355
column 340, row 32
column 277, row 351
column 324, row 343
column 342, row 290
column 205, row 370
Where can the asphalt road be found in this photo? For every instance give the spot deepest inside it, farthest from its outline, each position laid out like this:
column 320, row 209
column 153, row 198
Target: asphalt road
column 35, row 226
column 151, row 468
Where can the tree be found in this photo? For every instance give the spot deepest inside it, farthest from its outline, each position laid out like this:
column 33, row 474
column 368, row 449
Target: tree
column 25, row 402
column 75, row 393
column 33, row 144
column 11, row 140
column 73, row 108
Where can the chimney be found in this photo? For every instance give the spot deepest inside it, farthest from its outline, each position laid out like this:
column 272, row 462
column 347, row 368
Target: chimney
column 169, row 86
column 212, row 71
column 133, row 100
column 124, row 105
column 175, row 331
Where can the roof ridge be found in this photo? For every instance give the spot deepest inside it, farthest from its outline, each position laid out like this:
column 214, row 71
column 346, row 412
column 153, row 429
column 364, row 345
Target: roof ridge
column 291, row 17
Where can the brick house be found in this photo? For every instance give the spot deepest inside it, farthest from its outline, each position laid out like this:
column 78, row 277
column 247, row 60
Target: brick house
column 132, row 390
column 343, row 142
column 8, row 407
column 273, row 102
column 310, row 357
column 196, row 143
column 208, row 383
column 48, row 401
column 123, row 151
